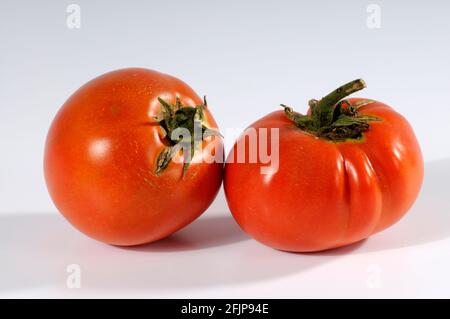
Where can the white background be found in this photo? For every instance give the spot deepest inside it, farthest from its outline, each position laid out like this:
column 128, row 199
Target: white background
column 247, row 57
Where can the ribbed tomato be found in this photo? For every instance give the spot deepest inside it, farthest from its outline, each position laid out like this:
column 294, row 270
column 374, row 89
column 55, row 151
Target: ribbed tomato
column 111, row 164
column 347, row 169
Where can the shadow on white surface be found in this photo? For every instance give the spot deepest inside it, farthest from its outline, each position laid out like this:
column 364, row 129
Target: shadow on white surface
column 209, row 232
column 36, row 248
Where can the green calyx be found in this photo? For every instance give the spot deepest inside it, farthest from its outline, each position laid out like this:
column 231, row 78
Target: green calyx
column 184, row 130
column 332, row 117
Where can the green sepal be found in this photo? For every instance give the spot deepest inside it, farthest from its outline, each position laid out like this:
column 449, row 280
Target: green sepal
column 177, row 116
column 333, row 117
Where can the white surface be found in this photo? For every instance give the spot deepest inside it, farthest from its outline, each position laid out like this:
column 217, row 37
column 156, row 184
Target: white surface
column 247, row 56
column 213, row 258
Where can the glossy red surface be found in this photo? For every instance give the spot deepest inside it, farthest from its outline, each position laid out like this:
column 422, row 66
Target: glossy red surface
column 327, row 194
column 100, row 159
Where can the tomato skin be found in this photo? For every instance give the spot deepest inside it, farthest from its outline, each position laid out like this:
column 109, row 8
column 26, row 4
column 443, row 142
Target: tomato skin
column 100, row 160
column 327, row 194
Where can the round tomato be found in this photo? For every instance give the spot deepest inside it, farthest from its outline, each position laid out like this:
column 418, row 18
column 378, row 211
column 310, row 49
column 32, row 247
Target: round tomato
column 113, row 166
column 347, row 169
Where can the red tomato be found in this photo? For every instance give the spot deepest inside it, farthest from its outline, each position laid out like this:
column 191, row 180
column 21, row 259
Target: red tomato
column 106, row 165
column 338, row 181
